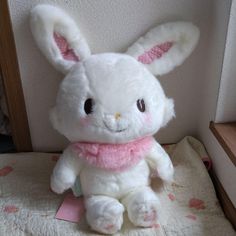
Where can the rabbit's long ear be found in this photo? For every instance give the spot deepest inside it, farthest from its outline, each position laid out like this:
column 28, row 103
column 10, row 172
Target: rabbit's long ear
column 58, row 37
column 166, row 46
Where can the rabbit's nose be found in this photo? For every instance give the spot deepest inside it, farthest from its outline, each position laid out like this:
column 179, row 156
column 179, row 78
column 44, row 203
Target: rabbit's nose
column 117, row 116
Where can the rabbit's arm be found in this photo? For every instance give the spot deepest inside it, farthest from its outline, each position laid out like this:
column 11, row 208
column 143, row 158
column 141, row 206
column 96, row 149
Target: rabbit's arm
column 159, row 161
column 65, row 171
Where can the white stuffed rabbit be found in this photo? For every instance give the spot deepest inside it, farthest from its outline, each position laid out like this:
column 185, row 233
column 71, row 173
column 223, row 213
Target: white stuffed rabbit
column 109, row 106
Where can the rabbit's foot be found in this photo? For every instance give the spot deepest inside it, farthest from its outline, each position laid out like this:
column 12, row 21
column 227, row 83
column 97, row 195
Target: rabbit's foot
column 144, row 214
column 104, row 214
column 143, row 207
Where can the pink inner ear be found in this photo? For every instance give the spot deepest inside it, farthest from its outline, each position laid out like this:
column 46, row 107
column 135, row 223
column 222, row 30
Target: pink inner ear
column 66, row 52
column 155, row 53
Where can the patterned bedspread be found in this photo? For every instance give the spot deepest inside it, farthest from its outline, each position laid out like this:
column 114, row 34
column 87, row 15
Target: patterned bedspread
column 189, row 205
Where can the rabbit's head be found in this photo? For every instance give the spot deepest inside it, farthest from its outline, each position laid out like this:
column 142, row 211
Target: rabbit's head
column 110, row 97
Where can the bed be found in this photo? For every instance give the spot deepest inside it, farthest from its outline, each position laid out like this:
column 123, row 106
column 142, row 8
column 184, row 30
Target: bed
column 190, row 206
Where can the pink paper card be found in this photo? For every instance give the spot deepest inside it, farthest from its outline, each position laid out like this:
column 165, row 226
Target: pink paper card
column 71, row 209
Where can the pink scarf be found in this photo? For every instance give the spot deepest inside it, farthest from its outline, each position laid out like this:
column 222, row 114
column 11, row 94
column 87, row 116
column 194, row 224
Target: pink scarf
column 114, row 157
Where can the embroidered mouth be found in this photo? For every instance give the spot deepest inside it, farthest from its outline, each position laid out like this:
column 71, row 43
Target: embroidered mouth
column 114, row 130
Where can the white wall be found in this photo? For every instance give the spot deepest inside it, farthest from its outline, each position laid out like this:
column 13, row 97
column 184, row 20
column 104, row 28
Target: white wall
column 113, row 26
column 208, row 97
column 226, row 105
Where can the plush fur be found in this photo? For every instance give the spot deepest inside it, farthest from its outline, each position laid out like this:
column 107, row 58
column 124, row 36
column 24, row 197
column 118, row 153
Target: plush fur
column 183, row 37
column 50, row 20
column 115, row 84
column 114, row 157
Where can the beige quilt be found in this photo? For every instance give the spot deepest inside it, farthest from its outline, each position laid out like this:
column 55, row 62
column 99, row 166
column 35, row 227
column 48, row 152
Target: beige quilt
column 190, row 206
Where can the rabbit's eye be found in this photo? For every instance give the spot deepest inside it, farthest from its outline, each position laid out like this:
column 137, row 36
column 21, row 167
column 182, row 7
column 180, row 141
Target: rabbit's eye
column 88, row 106
column 141, row 105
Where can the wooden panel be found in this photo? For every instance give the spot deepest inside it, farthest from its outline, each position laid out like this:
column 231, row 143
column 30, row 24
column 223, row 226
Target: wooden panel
column 12, row 82
column 225, row 202
column 226, row 135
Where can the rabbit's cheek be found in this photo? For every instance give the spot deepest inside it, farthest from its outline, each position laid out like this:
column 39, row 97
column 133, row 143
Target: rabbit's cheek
column 148, row 118
column 85, row 121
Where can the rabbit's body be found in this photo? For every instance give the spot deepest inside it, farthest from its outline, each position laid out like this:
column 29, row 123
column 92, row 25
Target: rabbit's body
column 108, row 193
column 109, row 106
column 96, row 181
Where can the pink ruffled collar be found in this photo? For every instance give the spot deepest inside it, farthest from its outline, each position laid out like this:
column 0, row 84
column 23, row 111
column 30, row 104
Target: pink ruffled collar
column 113, row 157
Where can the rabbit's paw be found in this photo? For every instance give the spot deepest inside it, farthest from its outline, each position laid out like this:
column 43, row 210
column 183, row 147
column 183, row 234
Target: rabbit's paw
column 166, row 172
column 59, row 185
column 143, row 207
column 104, row 214
column 144, row 214
column 109, row 223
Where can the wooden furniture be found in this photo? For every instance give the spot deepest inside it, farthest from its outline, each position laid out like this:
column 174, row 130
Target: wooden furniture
column 225, row 202
column 225, row 133
column 12, row 82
